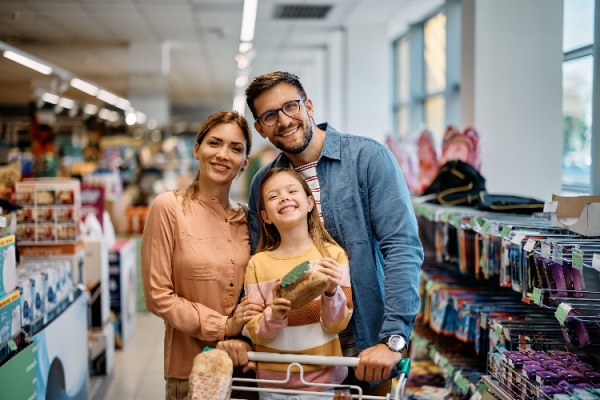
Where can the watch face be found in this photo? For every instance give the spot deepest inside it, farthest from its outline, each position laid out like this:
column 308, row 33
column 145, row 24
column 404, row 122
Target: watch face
column 396, row 342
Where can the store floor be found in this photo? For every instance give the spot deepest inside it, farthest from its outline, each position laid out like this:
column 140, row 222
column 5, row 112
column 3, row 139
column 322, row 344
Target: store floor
column 138, row 371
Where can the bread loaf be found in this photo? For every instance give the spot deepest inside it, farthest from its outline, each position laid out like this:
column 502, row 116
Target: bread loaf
column 211, row 375
column 303, row 284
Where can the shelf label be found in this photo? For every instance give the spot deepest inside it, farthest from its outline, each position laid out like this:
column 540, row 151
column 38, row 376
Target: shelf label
column 450, row 370
column 2, row 221
column 506, row 231
column 529, row 245
column 432, row 353
column 485, row 227
column 443, row 362
column 577, row 259
column 562, row 311
column 494, row 229
column 429, row 286
column 518, row 238
column 550, row 206
column 12, row 345
column 545, row 249
column 537, row 296
column 596, row 261
column 483, row 322
column 498, row 330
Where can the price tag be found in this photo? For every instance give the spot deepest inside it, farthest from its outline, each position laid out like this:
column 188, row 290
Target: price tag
column 498, row 331
column 545, row 249
column 443, row 362
column 12, row 345
column 485, row 227
column 476, row 396
column 456, row 220
column 596, row 261
column 506, row 231
column 432, row 353
column 483, row 320
column 506, row 334
column 2, row 221
column 550, row 206
column 450, row 369
column 494, row 229
column 537, row 295
column 444, row 217
column 577, row 258
column 562, row 311
column 474, row 224
column 557, row 255
column 518, row 238
column 429, row 286
column 529, row 245
column 436, row 358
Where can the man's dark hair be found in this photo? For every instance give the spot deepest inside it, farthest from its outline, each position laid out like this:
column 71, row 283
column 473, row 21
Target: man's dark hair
column 265, row 82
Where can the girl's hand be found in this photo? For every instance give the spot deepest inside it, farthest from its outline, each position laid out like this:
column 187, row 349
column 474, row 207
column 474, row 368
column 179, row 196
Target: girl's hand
column 333, row 270
column 242, row 314
column 280, row 306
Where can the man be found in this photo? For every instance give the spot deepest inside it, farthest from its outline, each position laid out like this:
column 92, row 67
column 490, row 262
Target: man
column 365, row 204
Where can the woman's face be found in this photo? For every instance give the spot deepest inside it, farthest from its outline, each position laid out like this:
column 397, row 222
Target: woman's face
column 222, row 154
column 286, row 203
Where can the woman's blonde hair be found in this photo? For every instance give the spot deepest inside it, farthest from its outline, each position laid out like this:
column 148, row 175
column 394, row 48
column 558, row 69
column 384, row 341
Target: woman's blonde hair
column 270, row 239
column 221, row 117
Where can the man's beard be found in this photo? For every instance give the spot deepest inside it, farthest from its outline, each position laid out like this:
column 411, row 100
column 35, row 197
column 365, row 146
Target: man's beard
column 297, row 149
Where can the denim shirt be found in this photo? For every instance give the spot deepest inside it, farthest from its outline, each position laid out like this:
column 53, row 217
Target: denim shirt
column 367, row 209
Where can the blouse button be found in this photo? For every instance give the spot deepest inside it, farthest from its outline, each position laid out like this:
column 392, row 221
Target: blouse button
column 228, row 240
column 226, row 220
column 231, row 284
column 231, row 261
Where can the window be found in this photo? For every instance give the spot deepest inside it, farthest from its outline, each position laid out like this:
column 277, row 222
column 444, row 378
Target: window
column 578, row 41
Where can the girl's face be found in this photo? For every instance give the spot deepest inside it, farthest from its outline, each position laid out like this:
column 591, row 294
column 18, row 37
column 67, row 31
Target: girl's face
column 286, row 203
column 222, row 154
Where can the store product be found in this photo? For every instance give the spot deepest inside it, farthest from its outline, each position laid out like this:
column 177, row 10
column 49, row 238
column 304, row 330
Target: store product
column 211, row 375
column 303, row 284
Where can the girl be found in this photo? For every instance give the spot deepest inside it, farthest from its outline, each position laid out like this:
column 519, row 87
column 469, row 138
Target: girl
column 291, row 232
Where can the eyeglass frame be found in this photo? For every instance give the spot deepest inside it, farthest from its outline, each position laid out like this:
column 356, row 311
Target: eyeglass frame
column 276, row 111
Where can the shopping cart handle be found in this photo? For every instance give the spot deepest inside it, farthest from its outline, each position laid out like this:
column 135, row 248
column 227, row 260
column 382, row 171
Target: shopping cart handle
column 403, row 365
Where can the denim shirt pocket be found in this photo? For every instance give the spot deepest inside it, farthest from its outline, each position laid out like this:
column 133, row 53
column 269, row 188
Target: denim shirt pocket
column 351, row 221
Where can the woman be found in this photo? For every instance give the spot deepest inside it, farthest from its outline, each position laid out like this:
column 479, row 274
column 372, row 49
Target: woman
column 195, row 249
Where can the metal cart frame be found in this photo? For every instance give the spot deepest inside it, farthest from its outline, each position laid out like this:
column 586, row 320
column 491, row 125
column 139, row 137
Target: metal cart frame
column 295, row 360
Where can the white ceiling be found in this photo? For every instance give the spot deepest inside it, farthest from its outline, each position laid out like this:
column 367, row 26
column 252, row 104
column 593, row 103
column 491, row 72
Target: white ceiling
column 91, row 39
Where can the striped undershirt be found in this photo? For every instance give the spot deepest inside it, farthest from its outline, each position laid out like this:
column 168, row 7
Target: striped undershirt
column 309, row 173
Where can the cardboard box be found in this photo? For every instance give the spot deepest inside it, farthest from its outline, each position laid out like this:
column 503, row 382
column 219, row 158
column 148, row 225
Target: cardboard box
column 102, row 349
column 123, row 289
column 18, row 375
column 73, row 253
column 97, row 280
column 8, row 265
column 580, row 214
column 10, row 316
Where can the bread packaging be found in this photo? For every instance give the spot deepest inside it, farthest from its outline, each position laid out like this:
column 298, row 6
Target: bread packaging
column 211, row 376
column 303, row 284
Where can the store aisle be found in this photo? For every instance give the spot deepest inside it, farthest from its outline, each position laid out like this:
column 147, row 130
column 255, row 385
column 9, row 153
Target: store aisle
column 138, row 372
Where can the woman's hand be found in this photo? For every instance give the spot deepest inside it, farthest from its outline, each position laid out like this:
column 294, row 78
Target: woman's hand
column 238, row 352
column 281, row 307
column 242, row 314
column 333, row 270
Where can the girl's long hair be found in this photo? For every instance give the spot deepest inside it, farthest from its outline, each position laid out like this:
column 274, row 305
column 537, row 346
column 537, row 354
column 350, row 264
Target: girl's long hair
column 270, row 239
column 221, row 117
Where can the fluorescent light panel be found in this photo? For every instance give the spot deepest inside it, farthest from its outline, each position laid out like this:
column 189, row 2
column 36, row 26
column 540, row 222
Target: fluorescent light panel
column 248, row 20
column 50, row 98
column 29, row 63
column 84, row 86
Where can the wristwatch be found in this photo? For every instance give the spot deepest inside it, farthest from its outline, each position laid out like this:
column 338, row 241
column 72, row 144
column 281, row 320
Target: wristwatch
column 394, row 342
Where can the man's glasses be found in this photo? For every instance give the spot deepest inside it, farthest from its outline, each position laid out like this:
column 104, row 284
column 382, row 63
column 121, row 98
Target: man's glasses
column 270, row 118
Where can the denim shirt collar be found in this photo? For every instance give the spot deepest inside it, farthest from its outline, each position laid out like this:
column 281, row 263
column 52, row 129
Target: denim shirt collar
column 331, row 148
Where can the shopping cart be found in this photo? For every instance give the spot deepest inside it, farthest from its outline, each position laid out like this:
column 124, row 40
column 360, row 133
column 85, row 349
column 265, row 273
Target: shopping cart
column 294, row 360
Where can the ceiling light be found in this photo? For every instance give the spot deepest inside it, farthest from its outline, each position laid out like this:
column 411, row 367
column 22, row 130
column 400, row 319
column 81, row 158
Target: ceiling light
column 84, row 86
column 122, row 103
column 90, row 109
column 130, row 119
column 66, row 103
column 107, row 97
column 50, row 98
column 245, row 46
column 239, row 104
column 37, row 66
column 248, row 20
column 140, row 117
column 241, row 81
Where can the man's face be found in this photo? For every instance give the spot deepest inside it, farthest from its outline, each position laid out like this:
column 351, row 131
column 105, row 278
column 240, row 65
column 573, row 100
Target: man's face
column 289, row 134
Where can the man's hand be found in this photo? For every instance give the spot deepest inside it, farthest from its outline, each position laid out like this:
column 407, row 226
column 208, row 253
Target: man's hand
column 376, row 363
column 238, row 352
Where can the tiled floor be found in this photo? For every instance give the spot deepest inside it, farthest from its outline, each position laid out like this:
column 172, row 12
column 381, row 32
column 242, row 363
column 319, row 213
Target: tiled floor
column 138, row 371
